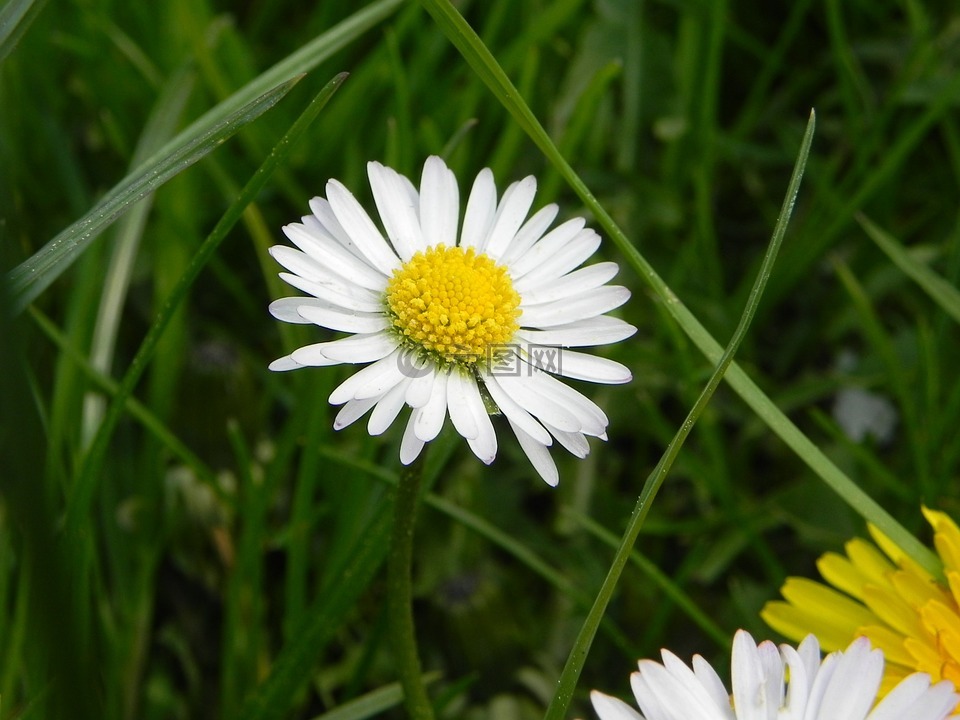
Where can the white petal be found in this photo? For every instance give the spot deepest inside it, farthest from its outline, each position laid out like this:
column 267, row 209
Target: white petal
column 688, row 678
column 545, row 407
column 372, row 381
column 821, row 681
column 287, row 310
column 581, row 366
column 439, row 204
column 686, row 698
column 387, row 408
column 795, row 702
column 352, row 411
column 484, row 441
column 913, row 697
column 365, row 301
column 746, row 672
column 649, row 703
column 532, row 230
column 323, row 216
column 514, row 206
column 579, row 307
column 809, row 652
column 422, row 374
column 360, row 228
column 591, row 418
column 564, row 259
column 600, row 330
column 855, row 682
column 548, row 246
column 353, row 349
column 516, row 414
column 284, row 364
column 610, row 708
column 772, row 680
column 481, row 209
column 575, row 443
column 484, row 445
column 318, row 236
column 462, row 398
column 394, row 205
column 536, row 291
column 324, row 315
column 538, row 455
column 431, row 416
column 411, row 445
column 330, row 262
column 309, row 356
column 711, row 682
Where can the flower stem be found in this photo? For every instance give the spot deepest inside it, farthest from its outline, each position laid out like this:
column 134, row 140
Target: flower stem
column 400, row 593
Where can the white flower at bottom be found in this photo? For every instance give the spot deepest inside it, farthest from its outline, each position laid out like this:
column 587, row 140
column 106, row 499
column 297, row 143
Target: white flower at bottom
column 455, row 323
column 784, row 684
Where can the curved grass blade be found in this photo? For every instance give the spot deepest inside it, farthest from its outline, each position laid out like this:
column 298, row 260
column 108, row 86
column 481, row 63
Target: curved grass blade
column 35, row 274
column 349, row 577
column 489, row 532
column 659, row 578
column 485, row 65
column 15, row 17
column 940, row 291
column 373, row 703
column 163, row 120
column 578, row 654
column 79, row 501
column 137, row 410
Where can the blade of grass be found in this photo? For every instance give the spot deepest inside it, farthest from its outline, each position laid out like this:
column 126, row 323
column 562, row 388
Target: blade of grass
column 35, row 274
column 243, row 627
column 57, row 658
column 940, row 291
column 578, row 654
column 898, row 381
column 659, row 578
column 322, row 622
column 137, row 410
column 485, row 65
column 79, row 501
column 159, row 128
column 373, row 702
column 489, row 532
column 15, row 17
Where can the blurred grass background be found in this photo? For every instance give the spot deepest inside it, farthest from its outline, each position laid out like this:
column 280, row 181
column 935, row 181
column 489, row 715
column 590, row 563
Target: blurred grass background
column 228, row 514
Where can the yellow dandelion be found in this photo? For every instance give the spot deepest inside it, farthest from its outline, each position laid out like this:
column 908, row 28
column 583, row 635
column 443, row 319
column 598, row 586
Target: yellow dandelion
column 878, row 592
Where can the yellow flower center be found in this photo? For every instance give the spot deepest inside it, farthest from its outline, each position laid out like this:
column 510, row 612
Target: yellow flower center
column 453, row 303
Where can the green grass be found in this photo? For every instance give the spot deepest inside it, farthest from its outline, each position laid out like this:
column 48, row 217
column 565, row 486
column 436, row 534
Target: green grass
column 182, row 533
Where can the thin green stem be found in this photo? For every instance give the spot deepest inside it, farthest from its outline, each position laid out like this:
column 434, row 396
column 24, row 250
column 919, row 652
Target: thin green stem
column 400, row 593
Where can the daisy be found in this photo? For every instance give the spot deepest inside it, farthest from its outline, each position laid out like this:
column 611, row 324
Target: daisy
column 880, row 593
column 784, row 684
column 460, row 323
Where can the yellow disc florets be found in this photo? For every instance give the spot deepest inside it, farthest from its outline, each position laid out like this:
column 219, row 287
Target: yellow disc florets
column 453, row 303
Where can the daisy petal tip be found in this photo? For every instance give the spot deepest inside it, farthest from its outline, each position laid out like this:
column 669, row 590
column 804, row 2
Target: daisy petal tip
column 408, row 455
column 284, row 364
column 435, row 162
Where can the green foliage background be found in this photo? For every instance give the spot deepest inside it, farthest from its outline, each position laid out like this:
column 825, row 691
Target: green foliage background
column 232, row 537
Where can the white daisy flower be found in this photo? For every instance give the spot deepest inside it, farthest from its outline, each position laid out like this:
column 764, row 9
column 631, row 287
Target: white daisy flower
column 789, row 684
column 456, row 325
